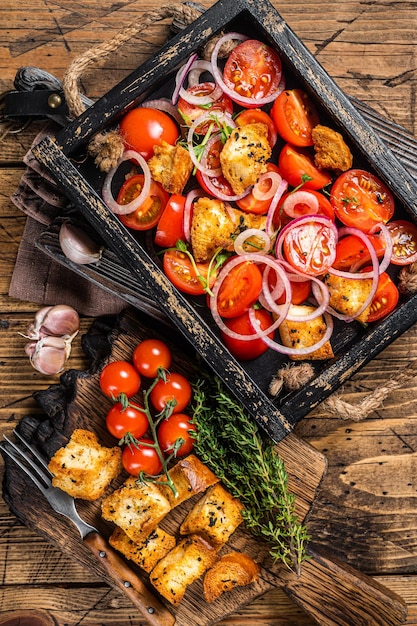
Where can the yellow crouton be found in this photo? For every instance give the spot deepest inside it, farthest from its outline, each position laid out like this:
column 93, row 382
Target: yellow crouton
column 331, row 151
column 146, row 553
column 304, row 334
column 190, row 476
column 235, row 569
column 171, row 166
column 348, row 295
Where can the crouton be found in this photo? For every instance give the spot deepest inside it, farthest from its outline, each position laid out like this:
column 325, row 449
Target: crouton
column 331, row 151
column 171, row 166
column 235, row 569
column 215, row 516
column 183, row 565
column 146, row 553
column 303, row 334
column 190, row 476
column 83, row 468
column 136, row 507
column 348, row 295
column 244, row 156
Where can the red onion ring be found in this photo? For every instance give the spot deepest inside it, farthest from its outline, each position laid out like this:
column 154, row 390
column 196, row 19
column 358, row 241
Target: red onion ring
column 187, row 217
column 275, row 179
column 386, row 259
column 269, row 227
column 374, row 259
column 207, row 179
column 197, row 69
column 278, row 347
column 218, row 119
column 247, row 234
column 165, row 105
column 180, row 77
column 125, row 209
column 210, row 98
column 300, row 197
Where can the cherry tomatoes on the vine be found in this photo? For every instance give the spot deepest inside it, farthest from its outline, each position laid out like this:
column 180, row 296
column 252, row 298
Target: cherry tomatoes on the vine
column 295, row 116
column 121, row 420
column 142, row 128
column 176, row 388
column 175, row 426
column 119, row 377
column 141, row 457
column 150, row 355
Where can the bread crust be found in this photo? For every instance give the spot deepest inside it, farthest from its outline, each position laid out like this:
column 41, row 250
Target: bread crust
column 190, row 476
column 147, row 553
column 331, row 151
column 235, row 569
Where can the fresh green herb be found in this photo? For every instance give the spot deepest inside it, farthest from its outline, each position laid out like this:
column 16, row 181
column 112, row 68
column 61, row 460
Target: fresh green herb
column 216, row 261
column 230, row 442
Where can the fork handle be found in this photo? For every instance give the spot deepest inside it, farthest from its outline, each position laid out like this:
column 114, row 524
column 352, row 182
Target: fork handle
column 153, row 611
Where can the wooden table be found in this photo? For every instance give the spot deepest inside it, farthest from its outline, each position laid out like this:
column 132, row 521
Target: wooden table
column 366, row 509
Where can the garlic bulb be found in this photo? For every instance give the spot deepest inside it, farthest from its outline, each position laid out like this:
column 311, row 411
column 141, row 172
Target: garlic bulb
column 55, row 320
column 77, row 245
column 49, row 354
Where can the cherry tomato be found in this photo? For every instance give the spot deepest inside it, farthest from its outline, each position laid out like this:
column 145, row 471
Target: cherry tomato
column 176, row 387
column 171, row 223
column 252, row 70
column 175, row 426
column 119, row 377
column 150, row 355
column 300, row 209
column 310, row 247
column 121, row 420
column 249, row 204
column 147, row 215
column 297, row 167
column 385, row 299
column 253, row 116
column 361, row 200
column 352, row 252
column 141, row 459
column 252, row 348
column 239, row 289
column 218, row 182
column 404, row 240
column 190, row 112
column 295, row 116
column 143, row 128
column 300, row 290
column 180, row 271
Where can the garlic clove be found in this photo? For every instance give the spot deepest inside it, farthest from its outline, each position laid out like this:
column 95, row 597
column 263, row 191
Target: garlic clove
column 34, row 328
column 49, row 354
column 60, row 320
column 77, row 245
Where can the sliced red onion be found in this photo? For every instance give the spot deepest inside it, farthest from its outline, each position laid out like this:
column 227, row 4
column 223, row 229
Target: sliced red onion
column 372, row 253
column 209, row 98
column 215, row 171
column 386, row 259
column 300, row 197
column 283, row 186
column 217, row 119
column 188, row 207
column 239, row 243
column 125, row 209
column 275, row 179
column 199, row 66
column 207, row 179
column 180, row 77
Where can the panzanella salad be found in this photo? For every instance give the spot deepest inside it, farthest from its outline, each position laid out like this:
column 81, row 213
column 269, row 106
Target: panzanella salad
column 257, row 205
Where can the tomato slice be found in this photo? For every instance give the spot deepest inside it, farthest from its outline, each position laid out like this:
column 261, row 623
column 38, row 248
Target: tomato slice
column 361, row 200
column 252, row 70
column 310, row 247
column 180, row 271
column 253, row 116
column 239, row 289
column 300, row 209
column 249, row 204
column 352, row 252
column 385, row 299
column 297, row 167
column 171, row 223
column 295, row 116
column 147, row 215
column 190, row 112
column 246, row 350
column 404, row 240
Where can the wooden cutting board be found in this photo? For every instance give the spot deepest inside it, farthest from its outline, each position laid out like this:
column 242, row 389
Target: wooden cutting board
column 330, row 591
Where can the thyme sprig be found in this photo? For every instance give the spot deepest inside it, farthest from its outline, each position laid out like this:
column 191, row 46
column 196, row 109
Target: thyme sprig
column 230, row 442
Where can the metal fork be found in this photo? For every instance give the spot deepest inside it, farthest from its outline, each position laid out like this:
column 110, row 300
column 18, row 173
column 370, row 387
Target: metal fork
column 28, row 458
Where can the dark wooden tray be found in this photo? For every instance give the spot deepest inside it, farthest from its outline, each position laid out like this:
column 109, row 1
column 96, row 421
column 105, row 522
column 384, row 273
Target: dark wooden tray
column 353, row 345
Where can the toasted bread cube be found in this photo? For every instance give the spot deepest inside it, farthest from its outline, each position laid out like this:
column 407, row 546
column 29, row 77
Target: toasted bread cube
column 183, row 565
column 331, row 151
column 136, row 507
column 348, row 295
column 171, row 166
column 83, row 468
column 146, row 553
column 190, row 476
column 235, row 569
column 215, row 516
column 304, row 334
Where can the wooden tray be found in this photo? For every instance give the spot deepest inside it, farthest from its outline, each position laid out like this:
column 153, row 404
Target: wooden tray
column 76, row 402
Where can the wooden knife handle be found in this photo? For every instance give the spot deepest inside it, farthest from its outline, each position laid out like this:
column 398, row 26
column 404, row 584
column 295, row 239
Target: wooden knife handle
column 152, row 610
column 334, row 593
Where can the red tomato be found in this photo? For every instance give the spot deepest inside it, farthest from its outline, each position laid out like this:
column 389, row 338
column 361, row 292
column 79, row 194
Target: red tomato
column 180, row 271
column 175, row 426
column 147, row 215
column 190, row 112
column 150, row 355
column 143, row 128
column 300, row 209
column 300, row 291
column 253, row 116
column 171, row 223
column 239, row 289
column 310, row 247
column 351, row 251
column 252, row 348
column 218, row 182
column 385, row 299
column 176, row 387
column 404, row 239
column 361, row 200
column 252, row 70
column 119, row 377
column 121, row 420
column 249, row 204
column 295, row 116
column 297, row 167
column 142, row 458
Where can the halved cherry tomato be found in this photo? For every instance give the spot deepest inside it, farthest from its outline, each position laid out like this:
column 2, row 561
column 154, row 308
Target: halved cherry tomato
column 310, row 247
column 119, row 377
column 295, row 116
column 142, row 128
column 300, row 290
column 170, row 227
column 297, row 167
column 177, row 425
column 253, row 116
column 252, row 348
column 180, row 271
column 190, row 112
column 352, row 252
column 300, row 209
column 404, row 240
column 147, row 215
column 252, row 70
column 142, row 458
column 249, row 204
column 150, row 355
column 239, row 290
column 175, row 387
column 218, row 182
column 385, row 299
column 121, row 420
column 361, row 200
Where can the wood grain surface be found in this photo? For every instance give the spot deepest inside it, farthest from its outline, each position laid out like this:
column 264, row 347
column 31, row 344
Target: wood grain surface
column 365, row 512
